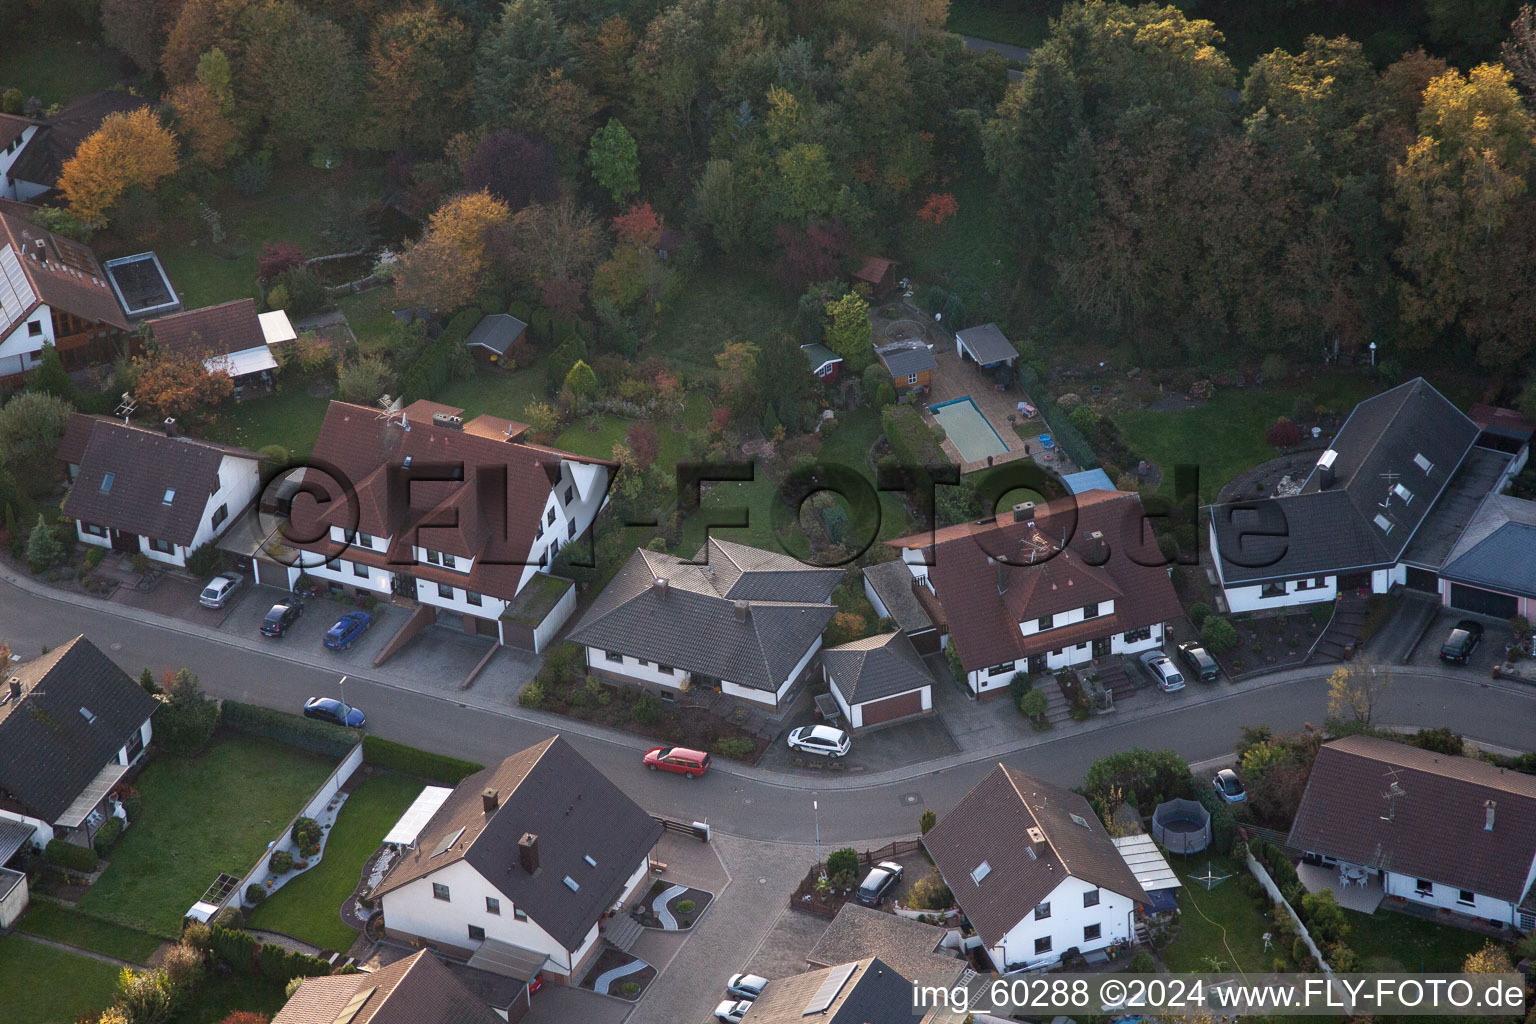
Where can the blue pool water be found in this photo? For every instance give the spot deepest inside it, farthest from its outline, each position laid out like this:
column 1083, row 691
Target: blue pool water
column 965, row 425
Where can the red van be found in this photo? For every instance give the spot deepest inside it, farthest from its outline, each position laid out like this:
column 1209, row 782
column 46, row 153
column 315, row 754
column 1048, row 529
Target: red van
column 687, row 762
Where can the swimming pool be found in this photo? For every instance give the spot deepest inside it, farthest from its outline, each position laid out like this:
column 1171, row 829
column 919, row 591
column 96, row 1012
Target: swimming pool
column 968, row 428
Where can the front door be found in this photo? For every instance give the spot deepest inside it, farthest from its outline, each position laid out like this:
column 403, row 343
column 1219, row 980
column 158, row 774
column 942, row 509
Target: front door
column 1037, row 664
column 128, row 542
column 1101, row 647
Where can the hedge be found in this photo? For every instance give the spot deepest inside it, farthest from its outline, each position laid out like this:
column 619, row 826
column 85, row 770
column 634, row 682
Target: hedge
column 294, row 730
column 434, row 366
column 914, row 445
column 76, row 858
column 398, row 757
column 1067, row 437
column 1223, row 825
column 107, row 835
column 236, row 948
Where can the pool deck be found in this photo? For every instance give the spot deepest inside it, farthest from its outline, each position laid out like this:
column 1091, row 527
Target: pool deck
column 955, row 379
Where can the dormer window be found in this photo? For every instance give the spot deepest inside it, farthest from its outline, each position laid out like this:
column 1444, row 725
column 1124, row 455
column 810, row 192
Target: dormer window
column 1044, row 622
column 107, row 480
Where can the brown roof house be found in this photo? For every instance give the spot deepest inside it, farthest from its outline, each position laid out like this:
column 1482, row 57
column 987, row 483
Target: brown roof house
column 1044, row 587
column 878, row 680
column 1429, row 829
column 520, row 864
column 868, row 991
column 155, row 492
column 737, row 619
column 71, row 726
column 914, row 948
column 420, row 989
column 53, row 291
column 1034, row 871
column 43, row 146
column 466, row 518
column 231, row 337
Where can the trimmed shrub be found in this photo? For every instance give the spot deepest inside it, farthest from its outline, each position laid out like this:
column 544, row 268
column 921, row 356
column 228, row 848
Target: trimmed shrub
column 281, row 862
column 1218, row 635
column 205, row 560
column 382, row 753
column 107, row 835
column 843, row 862
column 255, row 894
column 1032, row 705
column 1019, row 685
column 647, row 710
column 272, row 961
column 1321, row 613
column 68, row 855
column 94, row 556
column 305, row 833
column 294, row 730
column 737, row 748
column 685, row 906
column 1198, row 613
column 1283, row 434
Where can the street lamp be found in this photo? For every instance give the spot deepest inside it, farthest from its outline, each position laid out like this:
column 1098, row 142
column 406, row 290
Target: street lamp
column 816, row 809
column 343, row 685
column 1373, row 353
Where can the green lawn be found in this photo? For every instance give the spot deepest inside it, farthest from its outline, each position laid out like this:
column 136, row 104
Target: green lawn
column 217, row 998
column 719, row 305
column 1225, row 435
column 974, row 255
column 56, row 60
column 291, row 418
column 41, row 985
column 54, row 921
column 201, row 816
column 1222, row 924
column 1391, row 942
column 307, row 907
column 500, row 394
column 1012, row 24
column 370, row 314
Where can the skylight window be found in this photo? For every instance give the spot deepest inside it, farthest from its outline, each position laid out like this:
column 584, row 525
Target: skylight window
column 981, row 871
column 169, row 496
column 1077, row 819
column 1423, row 463
column 106, row 482
column 88, row 715
column 590, row 861
column 1383, row 523
column 1402, row 492
column 572, row 884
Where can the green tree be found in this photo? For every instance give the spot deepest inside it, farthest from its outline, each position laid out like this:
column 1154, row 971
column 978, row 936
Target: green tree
column 419, row 76
column 31, row 426
column 848, row 331
column 300, row 77
column 581, row 381
column 843, row 864
column 926, row 822
column 615, row 160
column 1218, row 635
column 524, row 45
column 43, row 548
column 1143, row 777
column 1032, row 705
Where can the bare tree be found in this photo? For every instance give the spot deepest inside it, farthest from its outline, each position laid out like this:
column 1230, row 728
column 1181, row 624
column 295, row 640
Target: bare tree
column 1519, row 50
column 1355, row 691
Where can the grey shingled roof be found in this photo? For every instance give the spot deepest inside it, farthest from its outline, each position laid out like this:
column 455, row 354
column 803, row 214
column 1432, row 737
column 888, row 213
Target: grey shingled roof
column 1457, row 509
column 1504, row 557
column 989, row 824
column 49, row 751
column 1320, row 530
column 875, row 993
column 419, row 989
column 892, row 583
column 1437, row 827
column 905, row 358
column 553, row 792
column 875, row 667
column 693, row 624
column 910, row 946
column 987, row 343
column 496, row 332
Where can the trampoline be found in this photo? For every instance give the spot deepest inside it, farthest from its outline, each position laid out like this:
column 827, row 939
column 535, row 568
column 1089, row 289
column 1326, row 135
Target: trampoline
column 1181, row 826
column 965, row 425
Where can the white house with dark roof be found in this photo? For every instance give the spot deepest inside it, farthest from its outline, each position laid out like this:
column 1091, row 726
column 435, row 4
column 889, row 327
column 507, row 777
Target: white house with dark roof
column 1034, row 871
column 738, row 619
column 153, row 492
column 878, row 680
column 519, row 865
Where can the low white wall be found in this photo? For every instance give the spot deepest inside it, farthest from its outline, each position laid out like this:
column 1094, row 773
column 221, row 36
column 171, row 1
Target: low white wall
column 1273, row 890
column 545, row 631
column 15, row 902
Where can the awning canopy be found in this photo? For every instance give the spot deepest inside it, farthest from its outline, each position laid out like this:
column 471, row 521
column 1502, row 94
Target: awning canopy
column 276, row 328
column 13, row 836
column 508, row 960
column 76, row 813
column 986, row 344
column 1147, row 863
column 417, row 815
column 238, row 364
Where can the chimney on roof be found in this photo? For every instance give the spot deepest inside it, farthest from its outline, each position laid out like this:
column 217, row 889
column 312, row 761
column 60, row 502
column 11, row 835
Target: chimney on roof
column 1488, row 815
column 1097, row 554
column 490, row 799
column 1024, row 512
column 448, row 421
column 170, row 427
column 659, row 586
column 1325, row 469
column 1002, row 578
column 1036, row 841
column 528, row 852
column 741, row 609
column 16, row 691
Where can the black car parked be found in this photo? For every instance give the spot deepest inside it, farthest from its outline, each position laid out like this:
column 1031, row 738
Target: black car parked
column 280, row 618
column 878, row 883
column 1199, row 662
column 1458, row 647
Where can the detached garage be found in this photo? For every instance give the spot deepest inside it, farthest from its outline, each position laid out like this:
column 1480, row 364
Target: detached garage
column 1492, row 569
column 878, row 680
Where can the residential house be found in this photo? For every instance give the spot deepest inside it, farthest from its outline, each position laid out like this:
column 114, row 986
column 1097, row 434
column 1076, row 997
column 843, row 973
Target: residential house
column 1504, row 430
column 46, row 144
column 1045, row 587
column 910, row 364
column 986, row 346
column 737, row 619
column 15, row 132
column 493, row 335
column 891, row 589
column 72, row 724
column 230, row 337
column 1382, row 507
column 519, row 866
column 867, row 991
column 878, row 680
column 1432, row 830
column 465, row 518
column 917, row 950
column 823, row 362
column 1034, row 872
column 1491, row 569
column 153, row 492
column 419, row 989
column 53, row 291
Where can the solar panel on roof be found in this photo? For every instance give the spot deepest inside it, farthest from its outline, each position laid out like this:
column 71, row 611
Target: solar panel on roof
column 16, row 294
column 447, row 843
column 830, row 987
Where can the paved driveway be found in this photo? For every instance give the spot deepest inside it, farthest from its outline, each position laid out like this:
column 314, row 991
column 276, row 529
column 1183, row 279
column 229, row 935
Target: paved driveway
column 307, row 635
column 1496, row 636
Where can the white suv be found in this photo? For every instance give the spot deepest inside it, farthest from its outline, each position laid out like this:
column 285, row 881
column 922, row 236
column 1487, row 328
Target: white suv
column 819, row 739
column 1161, row 669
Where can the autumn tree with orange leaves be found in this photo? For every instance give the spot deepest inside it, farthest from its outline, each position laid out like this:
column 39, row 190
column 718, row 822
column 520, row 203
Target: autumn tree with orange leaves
column 128, row 150
column 175, row 384
column 444, row 269
column 940, row 207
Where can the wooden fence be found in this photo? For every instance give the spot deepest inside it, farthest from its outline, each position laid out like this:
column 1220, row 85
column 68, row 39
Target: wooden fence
column 827, row 904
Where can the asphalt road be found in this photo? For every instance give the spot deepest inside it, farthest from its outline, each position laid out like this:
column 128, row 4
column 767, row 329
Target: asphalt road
column 756, row 807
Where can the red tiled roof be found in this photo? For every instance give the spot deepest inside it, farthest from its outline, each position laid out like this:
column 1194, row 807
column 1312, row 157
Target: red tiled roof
column 984, row 599
column 874, row 269
column 416, row 990
column 63, row 273
column 211, row 331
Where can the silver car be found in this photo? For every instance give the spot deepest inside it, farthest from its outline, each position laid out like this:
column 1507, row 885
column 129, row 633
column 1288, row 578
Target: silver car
column 746, row 986
column 1160, row 669
column 219, row 590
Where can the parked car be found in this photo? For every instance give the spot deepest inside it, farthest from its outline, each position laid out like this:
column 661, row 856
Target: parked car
column 819, row 739
column 746, row 986
column 733, row 1010
column 1199, row 662
column 1229, row 787
column 219, row 590
column 1160, row 669
column 1464, row 638
column 877, row 885
column 348, row 629
column 280, row 617
column 690, row 763
column 329, row 709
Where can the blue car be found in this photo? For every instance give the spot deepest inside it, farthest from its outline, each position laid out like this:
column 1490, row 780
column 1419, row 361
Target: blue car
column 347, row 629
column 329, row 709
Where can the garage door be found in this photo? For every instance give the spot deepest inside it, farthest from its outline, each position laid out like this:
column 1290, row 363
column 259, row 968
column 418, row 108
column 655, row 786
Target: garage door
column 1422, row 579
column 926, row 642
column 1484, row 602
column 892, row 708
